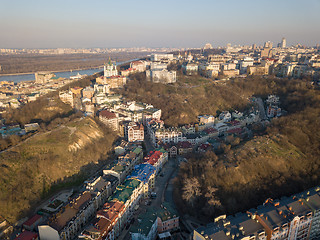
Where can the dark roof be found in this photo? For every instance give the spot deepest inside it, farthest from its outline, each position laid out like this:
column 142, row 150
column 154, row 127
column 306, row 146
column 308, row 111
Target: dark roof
column 32, row 220
column 184, row 144
column 26, row 235
column 107, row 114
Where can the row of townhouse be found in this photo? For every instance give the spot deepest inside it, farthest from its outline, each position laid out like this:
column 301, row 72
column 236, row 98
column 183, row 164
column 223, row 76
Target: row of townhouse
column 115, row 212
column 70, row 219
column 68, row 222
column 15, row 95
column 157, row 158
column 121, row 205
column 295, row 217
column 208, row 127
column 116, row 116
column 273, row 109
column 155, row 222
column 124, row 164
column 284, row 62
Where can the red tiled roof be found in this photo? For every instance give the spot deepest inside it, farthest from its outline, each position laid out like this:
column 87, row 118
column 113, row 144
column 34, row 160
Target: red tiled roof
column 204, row 146
column 27, row 235
column 138, row 126
column 235, row 130
column 118, row 76
column 111, row 211
column 210, row 130
column 129, row 69
column 60, row 220
column 107, row 114
column 137, row 62
column 153, row 157
column 234, row 122
column 102, row 224
column 184, row 144
column 32, row 220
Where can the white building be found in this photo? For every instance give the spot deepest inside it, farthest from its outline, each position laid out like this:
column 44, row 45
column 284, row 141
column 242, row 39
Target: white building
column 245, row 63
column 135, row 132
column 225, row 116
column 167, row 135
column 162, row 57
column 158, row 66
column 66, row 97
column 161, row 76
column 190, row 68
column 101, row 88
column 139, row 66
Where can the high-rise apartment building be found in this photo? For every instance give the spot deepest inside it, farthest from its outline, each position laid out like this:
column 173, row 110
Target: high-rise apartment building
column 283, row 43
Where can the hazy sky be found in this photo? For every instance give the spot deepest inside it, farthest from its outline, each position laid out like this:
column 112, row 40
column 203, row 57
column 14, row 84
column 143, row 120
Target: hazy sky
column 165, row 23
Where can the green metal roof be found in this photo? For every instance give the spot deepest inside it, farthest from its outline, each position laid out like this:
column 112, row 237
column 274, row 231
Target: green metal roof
column 161, row 150
column 145, row 222
column 166, row 212
column 124, row 191
column 118, row 168
column 131, row 183
column 137, row 150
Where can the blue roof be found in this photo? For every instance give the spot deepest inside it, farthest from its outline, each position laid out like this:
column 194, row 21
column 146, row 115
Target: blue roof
column 142, row 172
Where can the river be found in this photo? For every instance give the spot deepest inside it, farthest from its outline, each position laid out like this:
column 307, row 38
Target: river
column 66, row 74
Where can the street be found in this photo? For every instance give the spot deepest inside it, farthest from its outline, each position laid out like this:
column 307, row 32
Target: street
column 167, row 173
column 261, row 109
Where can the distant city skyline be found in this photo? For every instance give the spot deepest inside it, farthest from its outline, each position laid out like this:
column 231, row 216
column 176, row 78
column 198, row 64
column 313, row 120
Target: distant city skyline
column 141, row 23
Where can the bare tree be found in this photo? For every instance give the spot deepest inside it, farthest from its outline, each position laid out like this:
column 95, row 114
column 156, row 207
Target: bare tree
column 211, row 195
column 191, row 190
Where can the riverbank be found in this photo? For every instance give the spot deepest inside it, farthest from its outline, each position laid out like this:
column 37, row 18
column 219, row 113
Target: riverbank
column 16, row 78
column 61, row 70
column 29, row 64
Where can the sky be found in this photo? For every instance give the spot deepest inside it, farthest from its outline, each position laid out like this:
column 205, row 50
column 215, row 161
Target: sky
column 149, row 23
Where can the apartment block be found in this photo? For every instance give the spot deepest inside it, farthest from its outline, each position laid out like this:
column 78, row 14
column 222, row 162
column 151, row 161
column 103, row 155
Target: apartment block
column 295, row 217
column 135, row 132
column 67, row 223
column 161, row 76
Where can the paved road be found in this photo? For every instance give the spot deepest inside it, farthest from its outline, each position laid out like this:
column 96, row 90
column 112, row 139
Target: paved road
column 147, row 142
column 161, row 183
column 261, row 109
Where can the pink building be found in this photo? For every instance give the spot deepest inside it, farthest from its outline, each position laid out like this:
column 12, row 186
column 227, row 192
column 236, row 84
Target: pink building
column 168, row 219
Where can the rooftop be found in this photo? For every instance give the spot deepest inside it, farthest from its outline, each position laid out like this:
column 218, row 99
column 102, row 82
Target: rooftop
column 32, row 220
column 144, row 222
column 111, row 210
column 60, row 220
column 26, row 235
column 142, row 172
column 166, row 212
column 98, row 226
column 124, row 192
column 107, row 114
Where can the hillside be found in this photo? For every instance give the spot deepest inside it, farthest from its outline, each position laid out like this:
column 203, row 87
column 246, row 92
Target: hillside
column 50, row 161
column 244, row 177
column 191, row 96
column 283, row 161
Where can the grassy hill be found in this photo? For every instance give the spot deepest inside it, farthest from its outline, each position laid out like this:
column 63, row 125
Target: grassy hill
column 50, row 161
